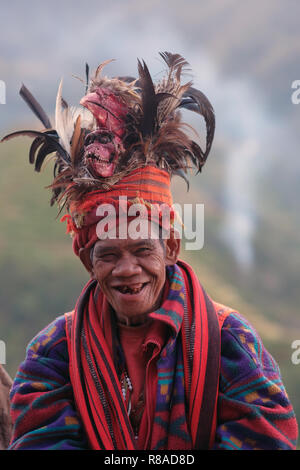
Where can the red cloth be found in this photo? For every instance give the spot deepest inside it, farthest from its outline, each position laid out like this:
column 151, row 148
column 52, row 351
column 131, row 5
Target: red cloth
column 138, row 344
column 96, row 385
column 132, row 341
column 149, row 186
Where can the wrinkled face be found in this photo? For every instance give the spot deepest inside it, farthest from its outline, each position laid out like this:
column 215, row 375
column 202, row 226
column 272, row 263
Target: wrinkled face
column 101, row 150
column 132, row 274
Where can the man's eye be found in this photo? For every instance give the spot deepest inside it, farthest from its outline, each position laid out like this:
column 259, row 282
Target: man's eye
column 107, row 257
column 143, row 251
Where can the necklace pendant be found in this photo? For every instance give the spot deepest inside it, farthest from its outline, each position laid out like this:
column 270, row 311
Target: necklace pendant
column 126, row 388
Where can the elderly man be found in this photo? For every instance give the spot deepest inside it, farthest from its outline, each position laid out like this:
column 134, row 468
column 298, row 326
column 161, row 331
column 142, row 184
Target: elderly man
column 146, row 360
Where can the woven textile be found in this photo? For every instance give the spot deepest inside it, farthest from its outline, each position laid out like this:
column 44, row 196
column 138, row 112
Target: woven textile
column 184, row 360
column 254, row 411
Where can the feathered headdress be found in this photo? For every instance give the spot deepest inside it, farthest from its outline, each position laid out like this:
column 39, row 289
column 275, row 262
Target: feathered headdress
column 121, row 124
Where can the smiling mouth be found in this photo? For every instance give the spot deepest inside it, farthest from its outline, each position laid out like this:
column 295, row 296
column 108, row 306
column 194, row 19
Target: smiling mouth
column 131, row 289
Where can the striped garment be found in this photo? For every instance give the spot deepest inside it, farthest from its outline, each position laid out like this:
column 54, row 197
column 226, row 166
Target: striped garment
column 180, row 413
column 149, row 187
column 254, row 411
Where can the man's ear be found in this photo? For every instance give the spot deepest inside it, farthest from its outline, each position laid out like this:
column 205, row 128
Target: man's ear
column 173, row 244
column 85, row 258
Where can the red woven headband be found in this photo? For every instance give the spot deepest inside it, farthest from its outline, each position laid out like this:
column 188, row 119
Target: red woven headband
column 148, row 185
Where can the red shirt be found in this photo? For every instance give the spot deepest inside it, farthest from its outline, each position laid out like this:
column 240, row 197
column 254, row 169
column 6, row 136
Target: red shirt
column 142, row 345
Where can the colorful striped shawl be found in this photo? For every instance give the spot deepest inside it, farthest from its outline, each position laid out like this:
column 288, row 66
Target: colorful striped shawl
column 193, row 347
column 254, row 410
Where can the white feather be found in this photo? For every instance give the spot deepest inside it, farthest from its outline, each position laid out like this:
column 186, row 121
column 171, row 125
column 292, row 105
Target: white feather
column 65, row 119
column 87, row 119
column 62, row 116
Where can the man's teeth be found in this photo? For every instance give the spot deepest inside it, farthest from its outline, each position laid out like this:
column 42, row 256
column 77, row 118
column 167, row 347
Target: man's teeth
column 131, row 289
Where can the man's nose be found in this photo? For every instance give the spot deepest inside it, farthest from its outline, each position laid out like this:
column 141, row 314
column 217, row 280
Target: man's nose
column 127, row 266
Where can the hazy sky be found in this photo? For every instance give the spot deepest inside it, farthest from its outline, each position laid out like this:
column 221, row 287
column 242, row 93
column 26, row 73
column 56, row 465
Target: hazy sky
column 255, row 41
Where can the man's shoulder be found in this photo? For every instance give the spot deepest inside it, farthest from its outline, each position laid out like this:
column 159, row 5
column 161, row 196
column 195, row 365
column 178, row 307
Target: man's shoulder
column 51, row 337
column 241, row 342
column 233, row 321
column 223, row 311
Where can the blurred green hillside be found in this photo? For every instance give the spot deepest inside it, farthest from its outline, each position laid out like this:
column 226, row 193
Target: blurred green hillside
column 41, row 278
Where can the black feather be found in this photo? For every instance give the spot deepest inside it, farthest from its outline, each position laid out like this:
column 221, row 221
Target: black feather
column 55, row 169
column 35, row 106
column 45, row 150
column 50, row 139
column 33, row 148
column 197, row 156
column 195, row 100
column 87, row 75
column 150, row 101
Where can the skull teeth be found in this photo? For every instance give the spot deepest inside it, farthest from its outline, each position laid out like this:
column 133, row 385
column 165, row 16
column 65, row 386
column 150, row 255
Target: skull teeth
column 95, row 156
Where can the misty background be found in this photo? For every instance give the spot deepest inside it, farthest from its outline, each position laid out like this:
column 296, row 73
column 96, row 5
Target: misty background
column 244, row 56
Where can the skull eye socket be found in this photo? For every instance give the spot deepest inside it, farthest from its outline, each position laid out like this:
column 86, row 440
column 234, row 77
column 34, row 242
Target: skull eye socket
column 102, row 138
column 105, row 138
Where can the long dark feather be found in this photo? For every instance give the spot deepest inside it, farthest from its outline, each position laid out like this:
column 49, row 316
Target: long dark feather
column 150, row 100
column 35, row 107
column 47, row 138
column 87, row 76
column 33, row 148
column 45, row 150
column 195, row 100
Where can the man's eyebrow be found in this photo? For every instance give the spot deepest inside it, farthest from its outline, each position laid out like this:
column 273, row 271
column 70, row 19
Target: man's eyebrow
column 100, row 249
column 148, row 242
column 104, row 249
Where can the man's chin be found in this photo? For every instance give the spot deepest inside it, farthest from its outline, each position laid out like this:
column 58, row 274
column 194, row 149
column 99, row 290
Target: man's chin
column 132, row 314
column 132, row 320
column 131, row 305
column 131, row 311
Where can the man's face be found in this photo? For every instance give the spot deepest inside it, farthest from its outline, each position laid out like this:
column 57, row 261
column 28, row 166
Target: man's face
column 131, row 274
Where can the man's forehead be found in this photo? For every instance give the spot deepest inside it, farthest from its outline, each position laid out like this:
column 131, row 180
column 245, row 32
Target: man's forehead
column 124, row 243
column 126, row 228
